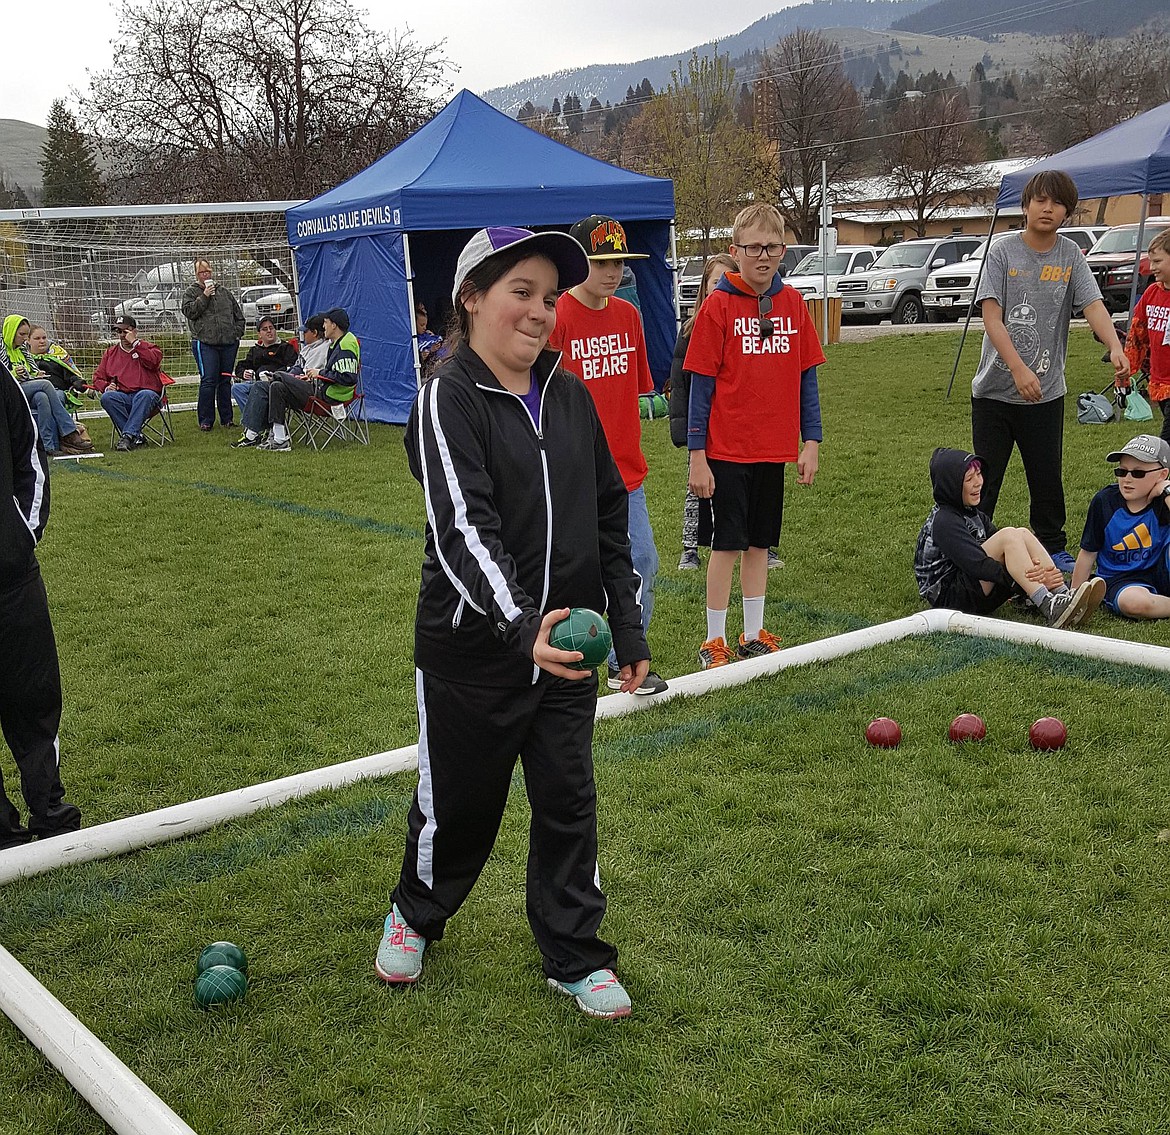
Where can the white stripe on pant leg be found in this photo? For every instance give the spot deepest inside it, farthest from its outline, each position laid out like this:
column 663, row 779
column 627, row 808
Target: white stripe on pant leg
column 425, row 867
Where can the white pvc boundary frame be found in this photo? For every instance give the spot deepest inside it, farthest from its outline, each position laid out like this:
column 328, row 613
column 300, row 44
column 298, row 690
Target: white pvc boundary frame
column 129, row 1106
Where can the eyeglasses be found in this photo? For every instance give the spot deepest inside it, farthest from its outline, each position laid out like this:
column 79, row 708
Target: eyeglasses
column 757, row 250
column 767, row 328
column 1136, row 474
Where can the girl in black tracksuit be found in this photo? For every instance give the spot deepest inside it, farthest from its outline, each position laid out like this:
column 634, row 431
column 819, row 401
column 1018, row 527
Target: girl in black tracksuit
column 30, row 677
column 526, row 517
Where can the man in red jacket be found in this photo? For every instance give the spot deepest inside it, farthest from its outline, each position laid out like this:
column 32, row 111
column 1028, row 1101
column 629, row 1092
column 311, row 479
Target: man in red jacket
column 128, row 377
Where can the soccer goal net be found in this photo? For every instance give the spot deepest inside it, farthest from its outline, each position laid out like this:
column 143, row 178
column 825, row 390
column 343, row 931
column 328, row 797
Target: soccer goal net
column 76, row 270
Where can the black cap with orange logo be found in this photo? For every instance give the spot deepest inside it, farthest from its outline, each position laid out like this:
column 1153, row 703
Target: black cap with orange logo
column 603, row 238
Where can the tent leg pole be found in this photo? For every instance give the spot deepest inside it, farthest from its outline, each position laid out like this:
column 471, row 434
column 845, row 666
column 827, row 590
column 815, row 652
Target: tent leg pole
column 410, row 303
column 297, row 291
column 674, row 275
column 971, row 305
column 1137, row 254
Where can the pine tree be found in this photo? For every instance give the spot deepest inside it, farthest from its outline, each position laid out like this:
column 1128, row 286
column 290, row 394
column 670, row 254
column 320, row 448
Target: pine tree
column 68, row 166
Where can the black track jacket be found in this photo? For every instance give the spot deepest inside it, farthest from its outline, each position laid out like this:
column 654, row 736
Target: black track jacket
column 24, row 484
column 519, row 522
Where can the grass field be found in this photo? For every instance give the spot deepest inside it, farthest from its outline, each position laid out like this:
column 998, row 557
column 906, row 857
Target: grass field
column 818, row 937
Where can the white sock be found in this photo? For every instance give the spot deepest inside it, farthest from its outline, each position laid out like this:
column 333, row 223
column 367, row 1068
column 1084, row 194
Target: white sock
column 279, row 432
column 753, row 617
column 1037, row 597
column 251, row 435
column 717, row 624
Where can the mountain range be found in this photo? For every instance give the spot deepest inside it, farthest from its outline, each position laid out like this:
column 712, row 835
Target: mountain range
column 1009, row 31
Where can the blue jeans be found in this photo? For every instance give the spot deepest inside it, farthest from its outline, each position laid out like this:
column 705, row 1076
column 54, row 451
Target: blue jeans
column 240, row 392
column 256, row 409
column 129, row 412
column 645, row 557
column 216, row 363
column 48, row 407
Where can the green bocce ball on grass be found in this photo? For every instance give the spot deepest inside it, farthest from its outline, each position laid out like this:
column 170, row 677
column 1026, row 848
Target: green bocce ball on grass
column 222, row 954
column 221, row 975
column 219, row 985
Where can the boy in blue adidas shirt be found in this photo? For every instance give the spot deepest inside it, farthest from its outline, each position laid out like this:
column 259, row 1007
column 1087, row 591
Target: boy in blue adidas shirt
column 1127, row 532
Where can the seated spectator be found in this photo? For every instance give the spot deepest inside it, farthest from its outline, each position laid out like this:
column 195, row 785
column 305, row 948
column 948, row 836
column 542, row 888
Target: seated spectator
column 312, row 357
column 129, row 378
column 430, row 345
column 59, row 432
column 1127, row 532
column 962, row 561
column 57, row 365
column 336, row 382
column 269, row 354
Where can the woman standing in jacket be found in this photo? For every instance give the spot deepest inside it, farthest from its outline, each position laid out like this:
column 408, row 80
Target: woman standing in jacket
column 217, row 325
column 526, row 517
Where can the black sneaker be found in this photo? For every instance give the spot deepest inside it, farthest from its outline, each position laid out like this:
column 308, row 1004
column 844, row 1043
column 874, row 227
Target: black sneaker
column 246, row 442
column 125, row 444
column 138, row 441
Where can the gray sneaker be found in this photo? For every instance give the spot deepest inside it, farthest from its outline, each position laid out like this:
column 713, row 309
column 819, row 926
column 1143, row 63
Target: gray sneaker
column 271, row 445
column 1065, row 608
column 774, row 560
column 689, row 560
column 651, row 684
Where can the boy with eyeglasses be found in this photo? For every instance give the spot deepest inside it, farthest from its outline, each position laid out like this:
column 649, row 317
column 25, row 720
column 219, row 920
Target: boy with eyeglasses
column 753, row 360
column 1127, row 532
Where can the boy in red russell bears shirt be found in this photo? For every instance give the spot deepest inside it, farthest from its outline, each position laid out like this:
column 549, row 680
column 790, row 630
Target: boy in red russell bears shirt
column 601, row 342
column 1148, row 342
column 753, row 360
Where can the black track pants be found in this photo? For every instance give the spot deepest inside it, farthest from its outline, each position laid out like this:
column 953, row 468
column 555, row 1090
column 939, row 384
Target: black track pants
column 1037, row 429
column 469, row 738
column 30, row 713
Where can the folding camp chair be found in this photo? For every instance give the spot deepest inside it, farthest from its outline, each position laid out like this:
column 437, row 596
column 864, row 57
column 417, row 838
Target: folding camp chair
column 323, row 420
column 158, row 428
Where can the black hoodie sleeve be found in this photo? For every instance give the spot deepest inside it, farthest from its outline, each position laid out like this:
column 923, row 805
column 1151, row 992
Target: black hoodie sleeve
column 680, row 392
column 955, row 540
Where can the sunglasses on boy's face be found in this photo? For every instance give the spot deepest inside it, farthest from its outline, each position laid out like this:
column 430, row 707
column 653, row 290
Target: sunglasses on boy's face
column 767, row 328
column 1136, row 474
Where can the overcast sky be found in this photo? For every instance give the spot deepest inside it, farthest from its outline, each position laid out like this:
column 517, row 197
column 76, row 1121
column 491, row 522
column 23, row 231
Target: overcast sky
column 493, row 42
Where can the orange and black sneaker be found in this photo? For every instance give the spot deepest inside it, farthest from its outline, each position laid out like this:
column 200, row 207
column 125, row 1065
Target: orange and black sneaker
column 754, row 647
column 715, row 652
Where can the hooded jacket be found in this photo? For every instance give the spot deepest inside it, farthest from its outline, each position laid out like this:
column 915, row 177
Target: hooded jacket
column 520, row 521
column 14, row 356
column 950, row 541
column 753, row 399
column 217, row 319
column 24, row 484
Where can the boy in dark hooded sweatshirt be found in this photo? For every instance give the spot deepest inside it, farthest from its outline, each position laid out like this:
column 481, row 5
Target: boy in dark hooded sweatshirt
column 963, row 562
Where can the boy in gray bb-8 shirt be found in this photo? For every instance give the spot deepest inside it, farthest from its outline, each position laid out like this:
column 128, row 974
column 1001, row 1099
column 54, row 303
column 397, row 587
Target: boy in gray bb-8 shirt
column 1032, row 282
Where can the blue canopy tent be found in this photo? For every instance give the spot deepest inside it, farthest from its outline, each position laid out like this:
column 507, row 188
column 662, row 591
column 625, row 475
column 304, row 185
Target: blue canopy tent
column 393, row 233
column 1132, row 157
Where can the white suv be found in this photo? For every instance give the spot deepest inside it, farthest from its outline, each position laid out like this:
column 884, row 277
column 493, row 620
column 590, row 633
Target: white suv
column 808, row 276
